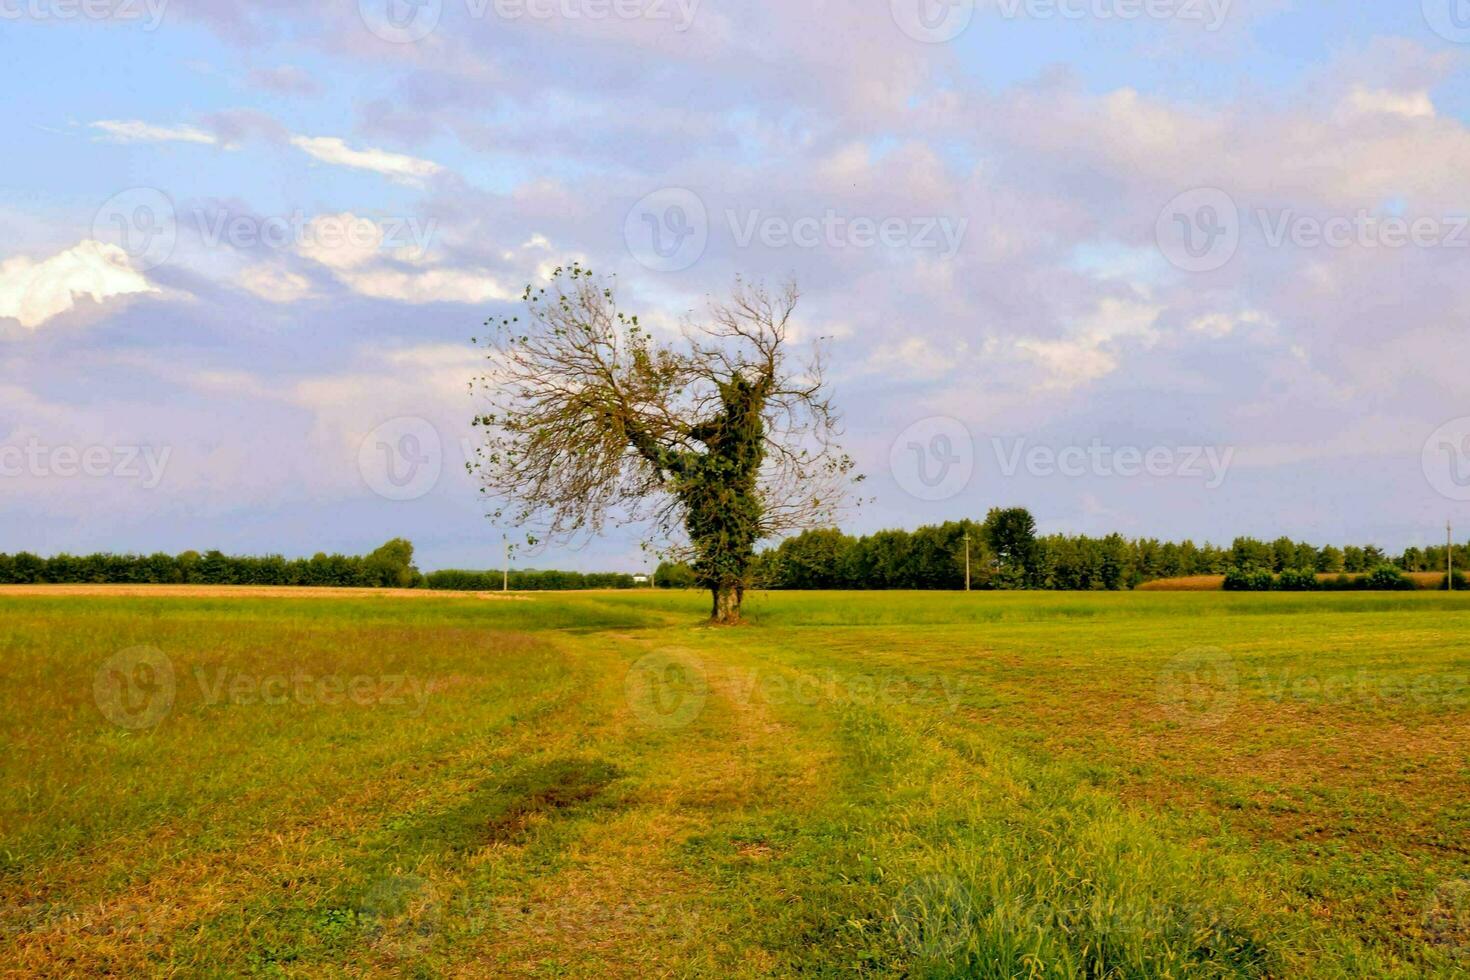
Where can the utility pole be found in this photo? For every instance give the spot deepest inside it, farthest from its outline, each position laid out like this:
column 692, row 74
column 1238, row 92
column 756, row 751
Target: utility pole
column 1449, row 556
column 967, row 561
column 505, row 580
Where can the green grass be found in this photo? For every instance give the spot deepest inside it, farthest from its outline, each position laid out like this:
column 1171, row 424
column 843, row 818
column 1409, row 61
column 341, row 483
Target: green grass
column 1135, row 785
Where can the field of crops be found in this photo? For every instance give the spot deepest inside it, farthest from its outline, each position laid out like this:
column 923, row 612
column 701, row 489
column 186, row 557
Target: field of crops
column 595, row 784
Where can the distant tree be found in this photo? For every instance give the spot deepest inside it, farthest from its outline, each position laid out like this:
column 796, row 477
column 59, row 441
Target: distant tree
column 28, row 568
column 722, row 437
column 391, row 565
column 1115, row 563
column 1412, row 560
column 1283, row 554
column 1329, row 560
column 1011, row 534
column 937, row 554
column 1251, row 555
column 812, row 560
column 1388, row 578
column 214, row 568
column 881, row 561
column 1304, row 556
column 674, row 575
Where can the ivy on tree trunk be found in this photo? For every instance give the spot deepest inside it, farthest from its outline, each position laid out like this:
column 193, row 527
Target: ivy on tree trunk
column 716, row 439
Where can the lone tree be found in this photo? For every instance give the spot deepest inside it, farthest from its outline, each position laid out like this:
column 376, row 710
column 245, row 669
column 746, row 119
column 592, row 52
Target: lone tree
column 718, row 438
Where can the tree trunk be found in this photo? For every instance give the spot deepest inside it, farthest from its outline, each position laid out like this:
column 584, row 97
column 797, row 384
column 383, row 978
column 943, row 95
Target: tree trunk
column 726, row 607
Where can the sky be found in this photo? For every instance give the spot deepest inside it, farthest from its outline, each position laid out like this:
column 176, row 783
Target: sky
column 1174, row 268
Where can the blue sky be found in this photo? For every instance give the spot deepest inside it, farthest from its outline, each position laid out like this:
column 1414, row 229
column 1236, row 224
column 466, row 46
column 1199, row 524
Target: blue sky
column 330, row 215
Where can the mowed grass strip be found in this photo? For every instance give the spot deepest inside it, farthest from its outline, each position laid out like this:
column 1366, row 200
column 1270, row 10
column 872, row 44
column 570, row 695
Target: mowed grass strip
column 879, row 784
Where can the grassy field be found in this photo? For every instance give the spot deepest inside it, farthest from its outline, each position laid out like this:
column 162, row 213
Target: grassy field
column 992, row 785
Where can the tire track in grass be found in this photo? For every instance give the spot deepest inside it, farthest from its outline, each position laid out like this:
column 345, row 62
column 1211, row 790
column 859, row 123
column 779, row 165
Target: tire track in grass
column 625, row 899
column 200, row 905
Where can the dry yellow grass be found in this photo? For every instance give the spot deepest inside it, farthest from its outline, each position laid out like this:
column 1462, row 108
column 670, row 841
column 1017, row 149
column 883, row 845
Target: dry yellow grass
column 597, row 784
column 1214, row 583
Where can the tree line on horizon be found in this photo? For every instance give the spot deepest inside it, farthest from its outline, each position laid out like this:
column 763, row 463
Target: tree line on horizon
column 1007, row 553
column 390, row 566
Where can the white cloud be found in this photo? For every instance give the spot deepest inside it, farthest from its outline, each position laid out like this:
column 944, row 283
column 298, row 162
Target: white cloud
column 1410, row 105
column 396, row 166
column 444, row 285
column 1070, row 363
column 275, row 285
column 358, row 252
column 134, row 131
column 34, row 292
column 1220, row 325
column 341, row 241
column 1085, row 356
column 915, row 358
